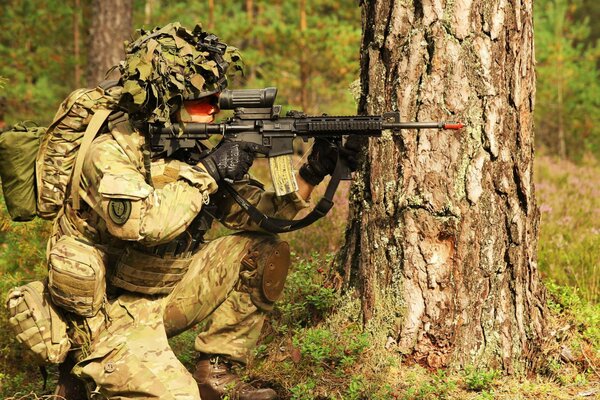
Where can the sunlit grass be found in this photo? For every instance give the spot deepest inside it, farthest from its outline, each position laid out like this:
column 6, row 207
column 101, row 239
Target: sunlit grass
column 569, row 255
column 568, row 196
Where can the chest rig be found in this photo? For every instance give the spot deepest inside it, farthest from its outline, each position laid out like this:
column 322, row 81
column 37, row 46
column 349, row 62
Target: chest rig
column 156, row 269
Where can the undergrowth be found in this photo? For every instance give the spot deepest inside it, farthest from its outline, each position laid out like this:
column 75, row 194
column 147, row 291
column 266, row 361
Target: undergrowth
column 313, row 345
column 310, row 353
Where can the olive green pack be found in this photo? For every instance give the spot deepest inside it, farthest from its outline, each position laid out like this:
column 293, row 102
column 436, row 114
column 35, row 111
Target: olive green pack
column 36, row 163
column 18, row 149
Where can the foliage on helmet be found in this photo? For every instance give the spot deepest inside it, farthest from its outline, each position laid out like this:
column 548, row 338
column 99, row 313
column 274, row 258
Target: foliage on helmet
column 164, row 66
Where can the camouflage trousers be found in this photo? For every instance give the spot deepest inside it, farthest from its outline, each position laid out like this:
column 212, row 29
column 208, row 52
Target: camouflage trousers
column 130, row 357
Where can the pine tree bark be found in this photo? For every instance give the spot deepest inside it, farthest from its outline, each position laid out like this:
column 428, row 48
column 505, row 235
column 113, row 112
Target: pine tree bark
column 442, row 234
column 111, row 25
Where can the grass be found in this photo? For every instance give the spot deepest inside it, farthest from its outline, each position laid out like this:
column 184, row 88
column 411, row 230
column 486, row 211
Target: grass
column 569, row 243
column 311, row 350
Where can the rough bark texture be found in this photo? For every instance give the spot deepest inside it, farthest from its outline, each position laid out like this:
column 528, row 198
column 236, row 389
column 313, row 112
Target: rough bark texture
column 443, row 228
column 110, row 26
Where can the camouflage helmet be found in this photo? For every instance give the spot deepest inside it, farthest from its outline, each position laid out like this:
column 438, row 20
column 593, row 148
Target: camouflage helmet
column 167, row 65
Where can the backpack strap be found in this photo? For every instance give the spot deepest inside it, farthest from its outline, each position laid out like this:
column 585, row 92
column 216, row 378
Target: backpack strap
column 90, row 133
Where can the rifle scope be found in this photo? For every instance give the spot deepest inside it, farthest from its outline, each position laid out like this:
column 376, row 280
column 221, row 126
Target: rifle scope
column 252, row 98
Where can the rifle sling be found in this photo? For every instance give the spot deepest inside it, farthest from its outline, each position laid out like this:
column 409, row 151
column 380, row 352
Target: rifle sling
column 277, row 225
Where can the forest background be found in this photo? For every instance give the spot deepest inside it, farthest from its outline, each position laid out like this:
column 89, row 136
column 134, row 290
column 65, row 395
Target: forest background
column 309, row 49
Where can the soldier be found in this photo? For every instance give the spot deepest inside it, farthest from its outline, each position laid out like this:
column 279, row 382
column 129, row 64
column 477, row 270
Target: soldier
column 146, row 216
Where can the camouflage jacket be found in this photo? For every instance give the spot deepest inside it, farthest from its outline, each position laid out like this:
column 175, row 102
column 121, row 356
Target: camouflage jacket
column 113, row 173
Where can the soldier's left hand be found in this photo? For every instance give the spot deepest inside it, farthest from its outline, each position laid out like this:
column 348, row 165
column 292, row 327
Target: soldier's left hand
column 323, row 158
column 350, row 152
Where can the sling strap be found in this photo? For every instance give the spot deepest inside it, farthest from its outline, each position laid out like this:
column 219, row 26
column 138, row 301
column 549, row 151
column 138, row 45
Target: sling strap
column 90, row 133
column 278, row 225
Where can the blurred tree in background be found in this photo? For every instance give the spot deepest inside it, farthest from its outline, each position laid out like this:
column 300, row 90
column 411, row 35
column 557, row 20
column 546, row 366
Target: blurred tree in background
column 110, row 25
column 307, row 48
column 568, row 91
column 37, row 59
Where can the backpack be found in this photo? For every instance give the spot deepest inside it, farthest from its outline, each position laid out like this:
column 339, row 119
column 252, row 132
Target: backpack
column 19, row 145
column 36, row 164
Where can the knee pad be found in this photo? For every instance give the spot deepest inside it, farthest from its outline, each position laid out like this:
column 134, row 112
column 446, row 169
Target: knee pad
column 264, row 270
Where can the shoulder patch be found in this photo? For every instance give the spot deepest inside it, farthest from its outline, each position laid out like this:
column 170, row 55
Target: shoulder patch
column 119, row 210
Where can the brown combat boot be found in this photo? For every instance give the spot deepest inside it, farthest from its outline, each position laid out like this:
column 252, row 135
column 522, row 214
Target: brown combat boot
column 216, row 379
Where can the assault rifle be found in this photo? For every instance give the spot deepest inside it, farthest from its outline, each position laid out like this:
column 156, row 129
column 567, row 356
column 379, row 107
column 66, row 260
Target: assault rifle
column 257, row 120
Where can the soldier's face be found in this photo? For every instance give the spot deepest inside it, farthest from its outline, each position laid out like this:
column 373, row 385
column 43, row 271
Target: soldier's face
column 202, row 110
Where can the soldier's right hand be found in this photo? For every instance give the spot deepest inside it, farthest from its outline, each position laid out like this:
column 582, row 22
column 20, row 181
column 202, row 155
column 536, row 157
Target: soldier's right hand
column 231, row 160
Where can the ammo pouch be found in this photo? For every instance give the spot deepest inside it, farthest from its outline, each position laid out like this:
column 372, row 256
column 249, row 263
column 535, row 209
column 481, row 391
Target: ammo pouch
column 76, row 276
column 144, row 273
column 38, row 323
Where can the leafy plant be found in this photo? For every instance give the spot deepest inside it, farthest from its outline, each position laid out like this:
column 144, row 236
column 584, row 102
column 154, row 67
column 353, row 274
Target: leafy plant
column 439, row 387
column 567, row 121
column 356, row 388
column 478, row 380
column 567, row 300
column 306, row 298
column 323, row 347
column 304, row 390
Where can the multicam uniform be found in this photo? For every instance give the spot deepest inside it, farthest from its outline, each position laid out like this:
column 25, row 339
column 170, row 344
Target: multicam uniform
column 148, row 232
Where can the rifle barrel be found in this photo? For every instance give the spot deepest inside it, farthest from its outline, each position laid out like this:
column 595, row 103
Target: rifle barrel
column 422, row 125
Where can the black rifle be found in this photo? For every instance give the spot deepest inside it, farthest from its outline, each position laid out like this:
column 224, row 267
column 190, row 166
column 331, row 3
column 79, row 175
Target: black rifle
column 257, row 120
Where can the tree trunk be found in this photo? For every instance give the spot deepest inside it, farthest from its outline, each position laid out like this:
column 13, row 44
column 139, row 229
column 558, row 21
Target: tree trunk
column 76, row 39
column 250, row 11
column 148, row 10
column 109, row 28
column 442, row 235
column 558, row 32
column 211, row 15
column 303, row 59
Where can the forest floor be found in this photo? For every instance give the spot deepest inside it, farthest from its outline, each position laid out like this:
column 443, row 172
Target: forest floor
column 309, row 353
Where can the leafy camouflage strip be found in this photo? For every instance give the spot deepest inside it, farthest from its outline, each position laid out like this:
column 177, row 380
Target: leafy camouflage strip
column 168, row 64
